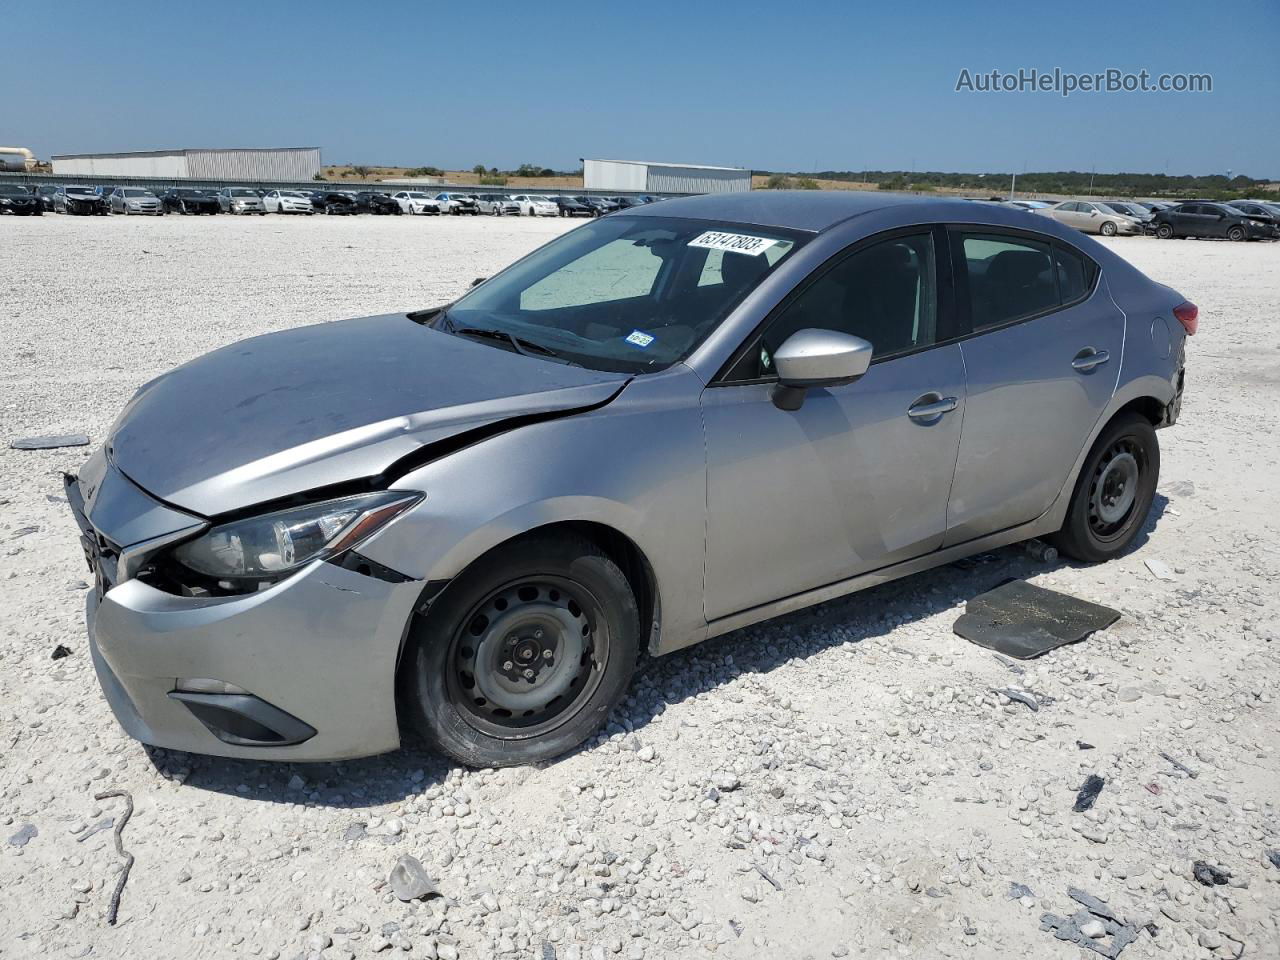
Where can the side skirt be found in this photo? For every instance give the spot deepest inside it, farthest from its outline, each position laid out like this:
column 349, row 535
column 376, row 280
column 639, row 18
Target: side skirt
column 1042, row 525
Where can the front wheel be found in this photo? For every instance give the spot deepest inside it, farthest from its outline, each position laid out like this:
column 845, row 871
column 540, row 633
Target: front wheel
column 524, row 655
column 1113, row 493
column 1235, row 233
column 1164, row 231
column 1108, row 229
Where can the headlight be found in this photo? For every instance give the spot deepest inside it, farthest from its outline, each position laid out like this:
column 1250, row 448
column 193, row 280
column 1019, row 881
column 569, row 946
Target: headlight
column 272, row 546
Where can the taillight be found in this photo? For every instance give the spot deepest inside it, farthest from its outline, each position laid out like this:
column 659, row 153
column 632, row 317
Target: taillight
column 1188, row 315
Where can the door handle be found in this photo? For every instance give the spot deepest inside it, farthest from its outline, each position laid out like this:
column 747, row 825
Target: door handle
column 931, row 406
column 1089, row 358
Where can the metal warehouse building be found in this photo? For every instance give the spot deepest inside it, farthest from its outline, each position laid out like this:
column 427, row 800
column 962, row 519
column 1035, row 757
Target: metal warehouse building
column 274, row 163
column 639, row 176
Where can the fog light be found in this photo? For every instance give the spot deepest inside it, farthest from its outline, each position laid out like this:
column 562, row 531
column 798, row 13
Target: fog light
column 205, row 685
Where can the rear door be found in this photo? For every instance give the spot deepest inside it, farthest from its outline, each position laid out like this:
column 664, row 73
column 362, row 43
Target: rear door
column 1041, row 353
column 858, row 477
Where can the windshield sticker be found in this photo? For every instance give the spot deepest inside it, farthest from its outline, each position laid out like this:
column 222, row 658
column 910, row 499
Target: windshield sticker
column 732, row 242
column 638, row 338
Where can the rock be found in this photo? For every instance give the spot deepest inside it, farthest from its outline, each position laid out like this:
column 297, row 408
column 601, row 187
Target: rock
column 726, row 782
column 296, row 782
column 645, row 753
column 1093, row 929
column 26, row 833
column 1128, row 694
column 410, row 881
column 1159, row 569
column 1210, row 939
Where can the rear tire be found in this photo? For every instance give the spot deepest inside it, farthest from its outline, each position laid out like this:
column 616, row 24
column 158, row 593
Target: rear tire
column 1113, row 493
column 554, row 607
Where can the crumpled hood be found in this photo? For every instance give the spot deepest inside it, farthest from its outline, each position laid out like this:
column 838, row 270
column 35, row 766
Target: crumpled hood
column 289, row 412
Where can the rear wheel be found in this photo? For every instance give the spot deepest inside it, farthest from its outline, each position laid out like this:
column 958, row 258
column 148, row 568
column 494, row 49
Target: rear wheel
column 1164, row 231
column 1113, row 493
column 524, row 655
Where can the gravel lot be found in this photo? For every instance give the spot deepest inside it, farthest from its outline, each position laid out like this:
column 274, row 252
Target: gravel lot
column 840, row 782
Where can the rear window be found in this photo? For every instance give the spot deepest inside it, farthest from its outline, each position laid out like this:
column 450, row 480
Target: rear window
column 1012, row 278
column 1008, row 279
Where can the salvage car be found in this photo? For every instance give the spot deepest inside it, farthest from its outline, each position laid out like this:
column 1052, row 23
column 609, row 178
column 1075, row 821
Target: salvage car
column 572, row 207
column 80, row 201
column 370, row 201
column 1206, row 220
column 457, row 204
column 188, row 200
column 240, row 200
column 19, row 201
column 288, row 201
column 496, row 204
column 413, row 201
column 334, row 203
column 134, row 200
column 663, row 426
column 1090, row 217
column 536, row 206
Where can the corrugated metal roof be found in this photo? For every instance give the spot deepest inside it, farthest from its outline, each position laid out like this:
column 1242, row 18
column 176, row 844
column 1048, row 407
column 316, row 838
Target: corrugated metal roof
column 684, row 166
column 166, row 153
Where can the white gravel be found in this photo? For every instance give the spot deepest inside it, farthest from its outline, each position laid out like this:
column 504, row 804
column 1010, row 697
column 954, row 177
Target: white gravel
column 836, row 783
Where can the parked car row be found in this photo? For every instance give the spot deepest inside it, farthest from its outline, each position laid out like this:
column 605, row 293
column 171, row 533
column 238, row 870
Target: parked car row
column 1206, row 219
column 100, row 201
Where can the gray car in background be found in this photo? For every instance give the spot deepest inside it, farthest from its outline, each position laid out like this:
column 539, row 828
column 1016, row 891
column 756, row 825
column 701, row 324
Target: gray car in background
column 240, row 200
column 1090, row 216
column 134, row 200
column 667, row 424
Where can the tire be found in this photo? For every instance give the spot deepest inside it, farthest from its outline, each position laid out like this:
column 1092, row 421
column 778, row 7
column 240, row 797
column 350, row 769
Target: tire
column 1164, row 231
column 1113, row 493
column 1108, row 229
column 463, row 692
column 1235, row 233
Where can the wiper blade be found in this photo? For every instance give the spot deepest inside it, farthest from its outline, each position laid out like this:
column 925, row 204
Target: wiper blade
column 521, row 346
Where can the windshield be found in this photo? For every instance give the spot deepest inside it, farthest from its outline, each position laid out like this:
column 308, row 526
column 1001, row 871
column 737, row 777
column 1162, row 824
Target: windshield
column 82, row 191
column 9, row 190
column 134, row 192
column 244, row 192
column 630, row 294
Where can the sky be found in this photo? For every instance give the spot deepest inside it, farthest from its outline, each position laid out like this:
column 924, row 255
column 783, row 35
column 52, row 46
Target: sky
column 817, row 86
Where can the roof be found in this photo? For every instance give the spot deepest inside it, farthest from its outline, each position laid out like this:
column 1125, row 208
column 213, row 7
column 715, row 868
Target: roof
column 170, row 153
column 813, row 210
column 681, row 166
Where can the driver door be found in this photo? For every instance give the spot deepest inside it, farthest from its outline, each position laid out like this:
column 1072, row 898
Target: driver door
column 857, row 478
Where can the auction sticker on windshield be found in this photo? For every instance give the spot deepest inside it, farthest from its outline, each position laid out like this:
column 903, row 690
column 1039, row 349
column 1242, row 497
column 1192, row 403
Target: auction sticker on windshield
column 732, row 242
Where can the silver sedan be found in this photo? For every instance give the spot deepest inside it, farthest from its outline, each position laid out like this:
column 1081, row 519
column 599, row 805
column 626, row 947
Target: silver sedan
column 1089, row 216
column 134, row 200
column 665, row 425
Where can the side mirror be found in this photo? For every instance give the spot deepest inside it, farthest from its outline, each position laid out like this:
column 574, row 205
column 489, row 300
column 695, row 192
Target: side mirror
column 817, row 358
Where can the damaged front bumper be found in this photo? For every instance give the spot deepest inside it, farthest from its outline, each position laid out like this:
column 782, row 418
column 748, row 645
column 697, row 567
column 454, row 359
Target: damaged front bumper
column 304, row 670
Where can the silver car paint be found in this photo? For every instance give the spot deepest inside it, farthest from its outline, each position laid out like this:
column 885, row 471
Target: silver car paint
column 677, row 466
column 324, row 404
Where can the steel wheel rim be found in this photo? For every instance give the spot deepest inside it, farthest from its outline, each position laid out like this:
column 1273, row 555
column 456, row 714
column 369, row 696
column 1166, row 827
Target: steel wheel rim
column 546, row 626
column 1113, row 491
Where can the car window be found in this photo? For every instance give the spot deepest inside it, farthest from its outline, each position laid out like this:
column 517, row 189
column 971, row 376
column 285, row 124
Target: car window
column 884, row 293
column 1075, row 275
column 626, row 293
column 1009, row 278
